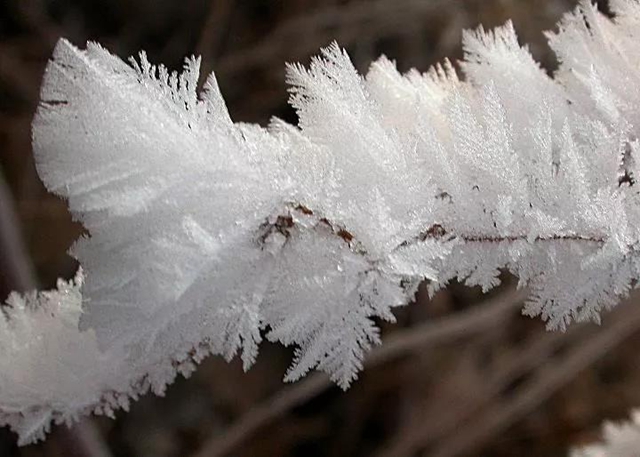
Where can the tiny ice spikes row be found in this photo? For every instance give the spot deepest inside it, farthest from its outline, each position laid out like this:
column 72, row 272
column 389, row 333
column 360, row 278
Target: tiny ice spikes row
column 205, row 235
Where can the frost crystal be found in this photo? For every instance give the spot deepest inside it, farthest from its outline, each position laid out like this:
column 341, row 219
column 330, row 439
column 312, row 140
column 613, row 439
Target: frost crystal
column 50, row 370
column 206, row 236
column 620, row 440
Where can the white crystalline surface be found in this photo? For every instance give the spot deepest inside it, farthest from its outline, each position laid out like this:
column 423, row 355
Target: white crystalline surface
column 50, row 370
column 206, row 236
column 619, row 440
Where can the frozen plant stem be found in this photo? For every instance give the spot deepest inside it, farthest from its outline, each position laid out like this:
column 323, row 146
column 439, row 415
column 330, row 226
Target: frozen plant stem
column 206, row 236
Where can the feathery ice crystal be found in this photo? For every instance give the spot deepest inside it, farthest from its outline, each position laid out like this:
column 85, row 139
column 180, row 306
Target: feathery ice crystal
column 206, row 235
column 620, row 440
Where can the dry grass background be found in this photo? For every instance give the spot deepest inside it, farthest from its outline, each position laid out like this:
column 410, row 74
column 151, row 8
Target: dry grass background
column 484, row 381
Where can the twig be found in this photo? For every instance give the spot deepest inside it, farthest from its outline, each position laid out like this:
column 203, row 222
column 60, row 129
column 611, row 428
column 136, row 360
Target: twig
column 475, row 320
column 442, row 330
column 83, row 440
column 420, row 432
column 14, row 261
column 212, row 35
column 375, row 18
column 624, row 322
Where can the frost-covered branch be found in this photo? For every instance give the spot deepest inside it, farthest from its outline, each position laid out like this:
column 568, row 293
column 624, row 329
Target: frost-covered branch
column 206, row 236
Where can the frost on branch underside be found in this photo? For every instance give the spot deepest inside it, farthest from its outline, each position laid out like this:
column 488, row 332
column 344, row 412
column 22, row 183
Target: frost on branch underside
column 207, row 235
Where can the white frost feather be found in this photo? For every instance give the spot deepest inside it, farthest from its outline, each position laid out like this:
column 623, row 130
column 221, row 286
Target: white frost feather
column 206, row 236
column 619, row 440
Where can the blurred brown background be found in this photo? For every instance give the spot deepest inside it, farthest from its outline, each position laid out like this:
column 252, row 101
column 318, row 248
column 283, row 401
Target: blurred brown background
column 492, row 383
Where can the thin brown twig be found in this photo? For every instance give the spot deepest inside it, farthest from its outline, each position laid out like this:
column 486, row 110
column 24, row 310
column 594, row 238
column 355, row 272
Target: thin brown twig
column 442, row 330
column 420, row 432
column 212, row 34
column 285, row 222
column 339, row 21
column 84, row 440
column 14, row 261
column 624, row 322
column 475, row 320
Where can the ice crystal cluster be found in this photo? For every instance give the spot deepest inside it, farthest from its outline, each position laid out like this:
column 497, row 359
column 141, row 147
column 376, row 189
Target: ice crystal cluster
column 620, row 440
column 205, row 236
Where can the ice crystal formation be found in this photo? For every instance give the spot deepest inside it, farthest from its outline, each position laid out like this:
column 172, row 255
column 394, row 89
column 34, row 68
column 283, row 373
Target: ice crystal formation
column 206, row 236
column 619, row 440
